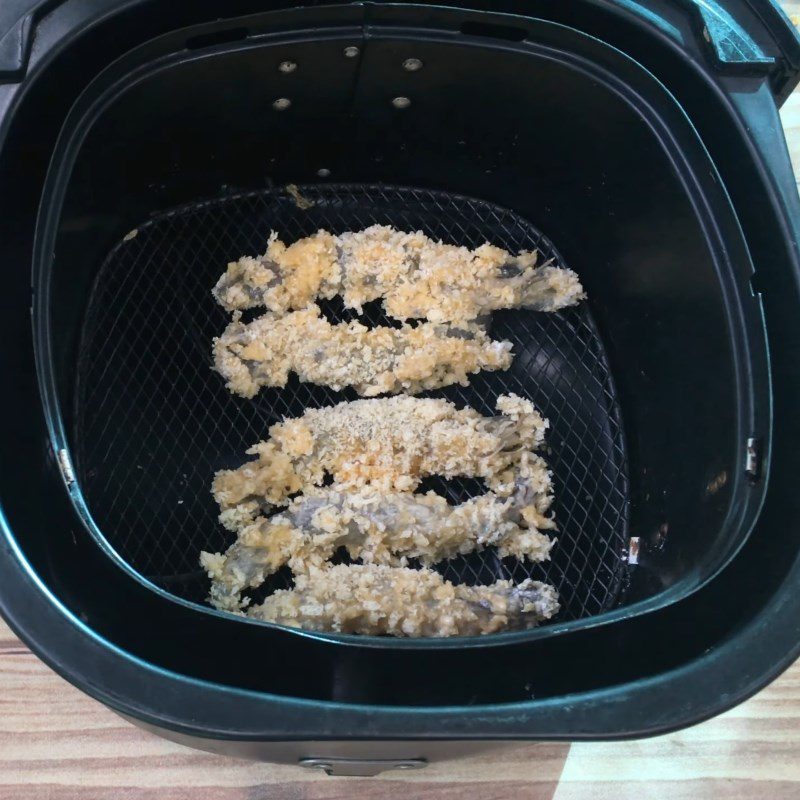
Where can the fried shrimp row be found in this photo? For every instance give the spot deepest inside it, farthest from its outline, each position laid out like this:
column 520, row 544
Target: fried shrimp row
column 372, row 360
column 415, row 276
column 389, row 444
column 378, row 528
column 376, row 600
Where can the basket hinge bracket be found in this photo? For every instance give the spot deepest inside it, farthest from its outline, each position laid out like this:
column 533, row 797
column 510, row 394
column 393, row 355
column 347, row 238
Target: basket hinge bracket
column 65, row 465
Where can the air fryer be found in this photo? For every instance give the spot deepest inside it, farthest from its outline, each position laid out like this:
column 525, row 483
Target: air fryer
column 640, row 146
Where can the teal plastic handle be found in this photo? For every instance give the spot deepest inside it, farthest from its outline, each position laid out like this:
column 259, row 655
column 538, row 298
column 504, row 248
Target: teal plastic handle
column 727, row 41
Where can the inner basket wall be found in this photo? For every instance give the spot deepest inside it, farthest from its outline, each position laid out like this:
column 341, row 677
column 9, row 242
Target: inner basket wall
column 154, row 422
column 562, row 148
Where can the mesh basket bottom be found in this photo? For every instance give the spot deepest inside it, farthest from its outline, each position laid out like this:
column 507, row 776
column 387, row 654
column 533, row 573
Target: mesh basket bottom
column 154, row 422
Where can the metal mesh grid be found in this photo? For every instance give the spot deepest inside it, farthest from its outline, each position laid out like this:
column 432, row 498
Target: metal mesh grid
column 154, row 422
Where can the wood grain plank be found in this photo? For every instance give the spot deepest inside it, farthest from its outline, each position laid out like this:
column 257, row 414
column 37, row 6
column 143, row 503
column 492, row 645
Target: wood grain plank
column 705, row 789
column 57, row 743
column 324, row 789
column 790, row 113
column 792, row 9
column 752, row 750
column 790, row 117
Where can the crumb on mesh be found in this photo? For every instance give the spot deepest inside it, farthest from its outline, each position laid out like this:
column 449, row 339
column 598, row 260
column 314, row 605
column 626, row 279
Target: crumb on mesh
column 303, row 203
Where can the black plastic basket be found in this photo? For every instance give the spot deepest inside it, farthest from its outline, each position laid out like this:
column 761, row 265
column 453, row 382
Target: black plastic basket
column 124, row 339
column 644, row 149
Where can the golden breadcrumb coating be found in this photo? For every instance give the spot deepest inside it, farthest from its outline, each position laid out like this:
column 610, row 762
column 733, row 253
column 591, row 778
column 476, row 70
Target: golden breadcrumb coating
column 377, row 600
column 284, row 277
column 376, row 527
column 389, row 443
column 372, row 360
column 417, row 277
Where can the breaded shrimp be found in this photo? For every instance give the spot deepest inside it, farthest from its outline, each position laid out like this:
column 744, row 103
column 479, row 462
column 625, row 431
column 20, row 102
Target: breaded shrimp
column 374, row 361
column 379, row 600
column 377, row 528
column 390, row 444
column 415, row 276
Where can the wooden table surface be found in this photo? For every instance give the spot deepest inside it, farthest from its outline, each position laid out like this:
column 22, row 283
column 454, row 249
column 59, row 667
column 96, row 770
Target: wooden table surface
column 57, row 744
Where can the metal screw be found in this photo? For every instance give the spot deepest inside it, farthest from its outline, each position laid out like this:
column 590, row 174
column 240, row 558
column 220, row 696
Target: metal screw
column 287, row 66
column 412, row 65
column 351, row 52
column 323, row 172
column 281, row 104
column 401, row 102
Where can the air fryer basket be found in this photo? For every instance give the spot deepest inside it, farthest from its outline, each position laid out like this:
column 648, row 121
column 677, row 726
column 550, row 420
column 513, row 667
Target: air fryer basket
column 153, row 422
column 159, row 180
